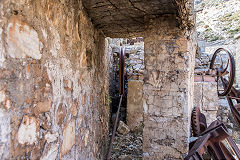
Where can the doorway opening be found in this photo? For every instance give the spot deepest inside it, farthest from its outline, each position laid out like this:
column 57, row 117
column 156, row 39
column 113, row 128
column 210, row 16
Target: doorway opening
column 128, row 140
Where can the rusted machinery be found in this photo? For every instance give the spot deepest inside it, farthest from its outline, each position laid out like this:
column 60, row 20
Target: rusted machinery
column 121, row 70
column 121, row 92
column 214, row 142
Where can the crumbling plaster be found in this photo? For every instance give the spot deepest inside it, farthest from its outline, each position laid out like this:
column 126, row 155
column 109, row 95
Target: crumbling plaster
column 167, row 88
column 53, row 82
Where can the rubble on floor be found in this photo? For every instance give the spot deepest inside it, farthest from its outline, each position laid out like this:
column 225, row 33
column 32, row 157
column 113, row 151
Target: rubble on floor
column 127, row 147
column 123, row 128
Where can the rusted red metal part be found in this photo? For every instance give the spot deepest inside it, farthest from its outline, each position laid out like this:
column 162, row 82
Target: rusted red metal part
column 121, row 70
column 214, row 143
column 230, row 91
column 198, row 122
column 234, row 95
column 220, row 71
column 114, row 130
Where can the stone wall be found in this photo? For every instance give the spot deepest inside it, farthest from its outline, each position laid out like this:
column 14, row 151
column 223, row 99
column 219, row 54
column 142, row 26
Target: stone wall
column 135, row 60
column 206, row 97
column 167, row 89
column 135, row 69
column 237, row 60
column 134, row 56
column 53, row 82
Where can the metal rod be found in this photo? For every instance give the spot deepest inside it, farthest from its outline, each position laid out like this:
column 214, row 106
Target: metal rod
column 114, row 130
column 121, row 70
column 233, row 97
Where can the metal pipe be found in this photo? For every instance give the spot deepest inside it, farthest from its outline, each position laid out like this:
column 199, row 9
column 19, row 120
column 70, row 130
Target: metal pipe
column 114, row 130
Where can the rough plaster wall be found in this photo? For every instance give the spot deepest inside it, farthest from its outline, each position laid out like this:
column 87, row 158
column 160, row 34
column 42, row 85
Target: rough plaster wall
column 206, row 97
column 134, row 104
column 237, row 60
column 167, row 89
column 53, row 82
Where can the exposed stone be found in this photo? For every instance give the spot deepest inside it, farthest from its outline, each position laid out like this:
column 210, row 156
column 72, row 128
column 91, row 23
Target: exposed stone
column 44, row 106
column 237, row 58
column 68, row 137
column 134, row 104
column 51, row 137
column 124, row 157
column 5, row 130
column 61, row 113
column 22, row 39
column 59, row 58
column 123, row 128
column 168, row 89
column 2, row 56
column 2, row 96
column 51, row 153
column 85, row 138
column 8, row 104
column 74, row 108
column 28, row 130
column 135, row 60
column 205, row 97
column 4, row 100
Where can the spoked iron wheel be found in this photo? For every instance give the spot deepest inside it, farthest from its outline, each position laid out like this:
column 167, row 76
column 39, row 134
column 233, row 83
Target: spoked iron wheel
column 223, row 65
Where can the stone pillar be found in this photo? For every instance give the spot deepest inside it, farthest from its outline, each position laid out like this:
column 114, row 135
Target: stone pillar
column 134, row 104
column 167, row 89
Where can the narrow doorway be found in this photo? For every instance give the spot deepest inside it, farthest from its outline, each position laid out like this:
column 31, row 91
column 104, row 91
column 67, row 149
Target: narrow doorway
column 128, row 139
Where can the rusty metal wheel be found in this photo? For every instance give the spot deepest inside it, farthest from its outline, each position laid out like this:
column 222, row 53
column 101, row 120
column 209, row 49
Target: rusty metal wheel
column 198, row 122
column 223, row 65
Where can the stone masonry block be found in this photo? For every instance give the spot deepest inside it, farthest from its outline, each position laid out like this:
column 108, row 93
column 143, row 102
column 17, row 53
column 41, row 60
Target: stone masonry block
column 22, row 39
column 134, row 104
column 68, row 137
column 28, row 130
